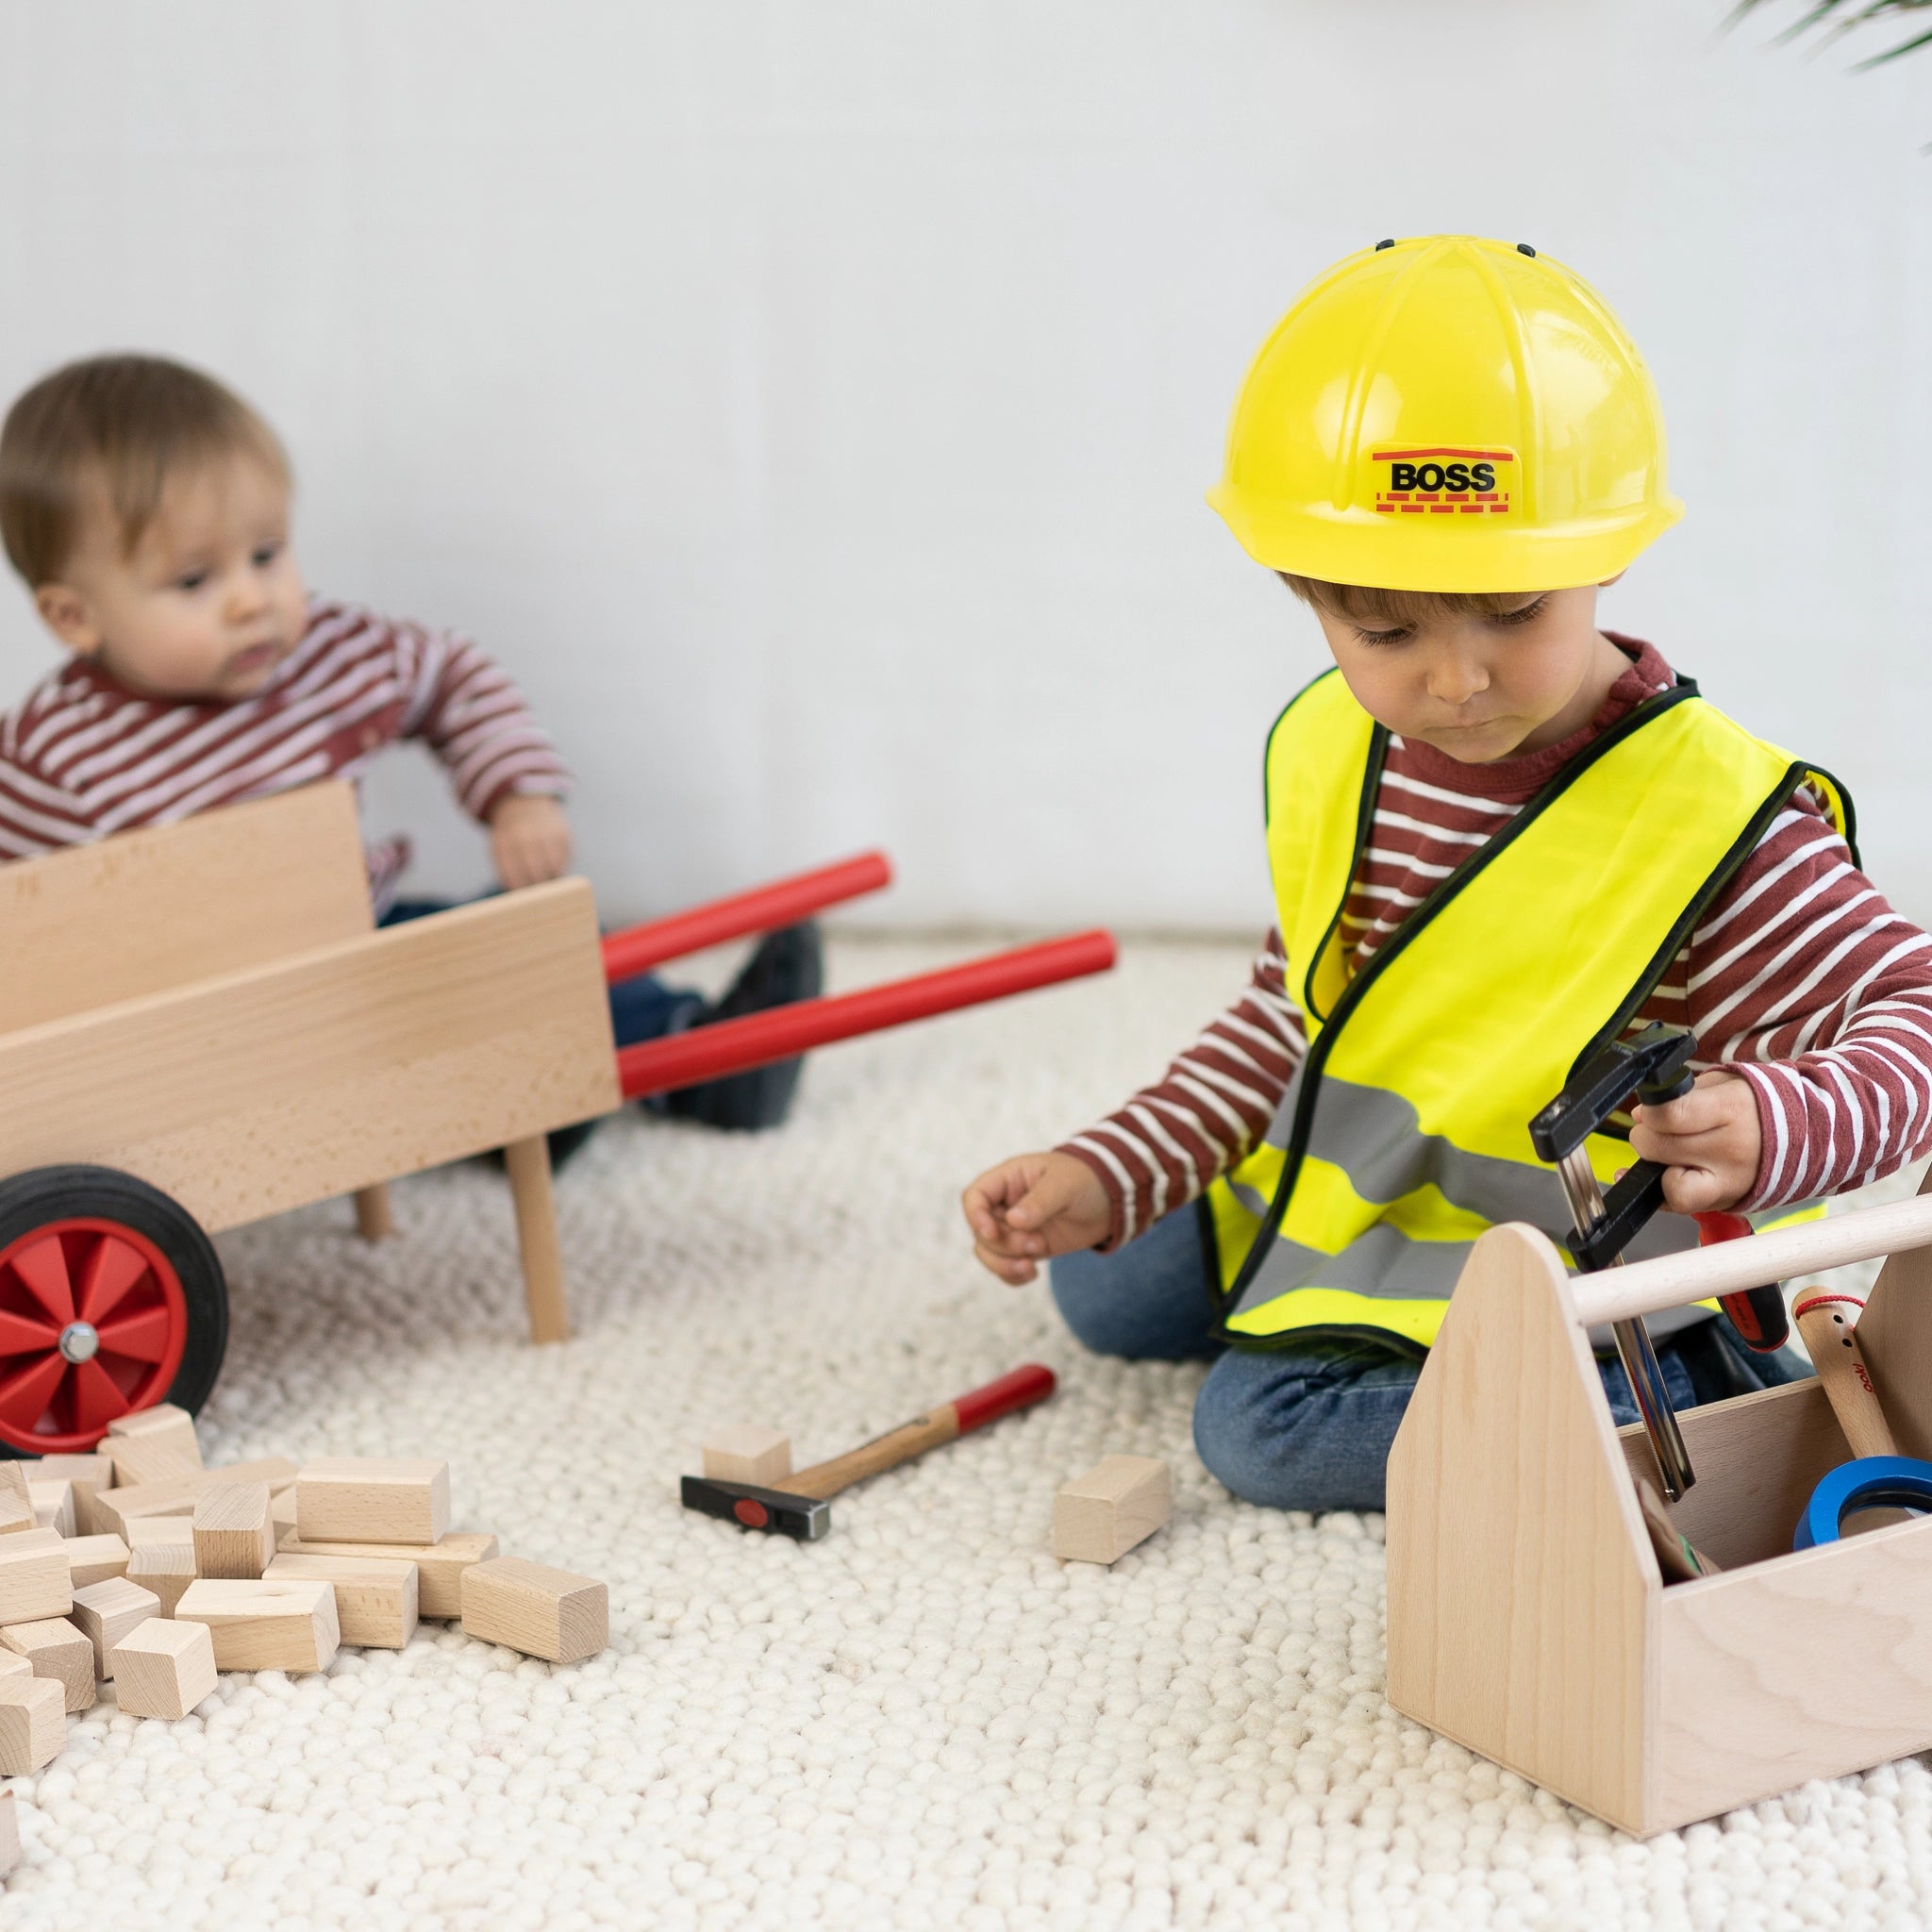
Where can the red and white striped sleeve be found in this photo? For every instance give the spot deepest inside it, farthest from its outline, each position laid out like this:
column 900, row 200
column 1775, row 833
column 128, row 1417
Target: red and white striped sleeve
column 1209, row 1108
column 1804, row 980
column 36, row 814
column 465, row 709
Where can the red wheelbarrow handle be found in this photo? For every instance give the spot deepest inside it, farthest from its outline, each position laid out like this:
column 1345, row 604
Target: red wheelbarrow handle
column 764, row 908
column 734, row 1046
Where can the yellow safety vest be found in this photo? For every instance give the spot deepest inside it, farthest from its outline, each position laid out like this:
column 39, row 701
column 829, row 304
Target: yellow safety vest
column 1406, row 1131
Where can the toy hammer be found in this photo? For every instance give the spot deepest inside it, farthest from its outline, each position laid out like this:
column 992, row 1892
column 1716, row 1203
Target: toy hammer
column 804, row 1508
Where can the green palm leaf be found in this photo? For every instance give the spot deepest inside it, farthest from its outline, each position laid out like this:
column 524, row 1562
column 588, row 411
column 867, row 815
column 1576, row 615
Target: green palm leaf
column 1841, row 17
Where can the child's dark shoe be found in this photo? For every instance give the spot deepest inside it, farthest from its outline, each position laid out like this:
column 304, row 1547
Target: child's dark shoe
column 787, row 966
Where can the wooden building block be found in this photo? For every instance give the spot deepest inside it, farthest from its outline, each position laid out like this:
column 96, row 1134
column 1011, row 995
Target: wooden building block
column 748, row 1455
column 9, row 1834
column 165, row 1568
column 281, row 1512
column 440, row 1565
column 152, row 1444
column 14, row 1665
column 258, row 1625
column 375, row 1596
column 1120, row 1501
column 16, row 1502
column 542, row 1613
column 115, row 1508
column 35, row 1580
column 33, row 1723
column 89, row 1474
column 366, row 1499
column 95, row 1559
column 52, row 1504
column 233, row 1535
column 57, row 1650
column 162, row 1669
column 104, row 1613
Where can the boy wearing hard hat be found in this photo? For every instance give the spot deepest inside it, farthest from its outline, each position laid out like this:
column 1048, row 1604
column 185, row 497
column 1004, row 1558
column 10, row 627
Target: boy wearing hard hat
column 1499, row 836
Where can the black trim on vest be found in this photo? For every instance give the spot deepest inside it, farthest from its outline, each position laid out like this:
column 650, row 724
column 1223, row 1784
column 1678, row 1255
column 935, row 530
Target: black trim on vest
column 1352, row 995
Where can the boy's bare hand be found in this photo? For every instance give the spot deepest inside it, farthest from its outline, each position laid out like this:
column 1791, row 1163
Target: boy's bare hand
column 529, row 839
column 1709, row 1141
column 1033, row 1205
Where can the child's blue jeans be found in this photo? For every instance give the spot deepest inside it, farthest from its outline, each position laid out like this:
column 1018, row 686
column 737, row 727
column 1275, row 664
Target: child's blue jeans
column 1309, row 1426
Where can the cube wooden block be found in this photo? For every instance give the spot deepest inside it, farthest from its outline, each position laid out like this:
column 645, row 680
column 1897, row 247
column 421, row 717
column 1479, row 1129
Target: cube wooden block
column 375, row 1596
column 748, row 1455
column 9, row 1834
column 162, row 1669
column 104, row 1613
column 57, row 1651
column 152, row 1444
column 233, row 1534
column 117, row 1508
column 94, row 1558
column 1120, row 1502
column 52, row 1504
column 440, row 1565
column 165, row 1568
column 16, row 1502
column 536, row 1609
column 258, row 1625
column 33, row 1723
column 35, row 1580
column 366, row 1499
column 89, row 1475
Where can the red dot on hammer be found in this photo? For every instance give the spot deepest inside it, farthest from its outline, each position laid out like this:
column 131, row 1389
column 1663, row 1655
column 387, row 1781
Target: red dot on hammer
column 753, row 1515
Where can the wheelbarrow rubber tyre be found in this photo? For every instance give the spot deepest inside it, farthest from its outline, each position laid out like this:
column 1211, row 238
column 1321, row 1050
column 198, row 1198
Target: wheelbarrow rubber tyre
column 49, row 1196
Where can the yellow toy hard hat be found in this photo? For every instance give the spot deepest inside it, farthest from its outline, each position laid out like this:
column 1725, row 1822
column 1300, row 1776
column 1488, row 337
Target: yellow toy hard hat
column 1447, row 414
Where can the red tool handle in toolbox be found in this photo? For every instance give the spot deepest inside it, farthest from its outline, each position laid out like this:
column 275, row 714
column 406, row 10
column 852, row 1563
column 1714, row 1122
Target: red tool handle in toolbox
column 734, row 1046
column 764, row 908
column 1758, row 1314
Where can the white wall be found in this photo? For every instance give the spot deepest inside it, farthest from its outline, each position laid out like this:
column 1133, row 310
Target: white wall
column 812, row 401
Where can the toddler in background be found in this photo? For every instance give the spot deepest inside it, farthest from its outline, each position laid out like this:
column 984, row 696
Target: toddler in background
column 147, row 509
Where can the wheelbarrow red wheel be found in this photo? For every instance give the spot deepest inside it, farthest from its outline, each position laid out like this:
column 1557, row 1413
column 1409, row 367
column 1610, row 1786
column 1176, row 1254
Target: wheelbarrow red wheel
column 111, row 1299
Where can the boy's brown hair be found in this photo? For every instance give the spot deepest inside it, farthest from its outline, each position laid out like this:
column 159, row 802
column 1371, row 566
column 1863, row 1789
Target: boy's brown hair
column 1361, row 603
column 125, row 423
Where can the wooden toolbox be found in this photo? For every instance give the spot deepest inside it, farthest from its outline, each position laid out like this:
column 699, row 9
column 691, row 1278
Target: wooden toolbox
column 1527, row 1617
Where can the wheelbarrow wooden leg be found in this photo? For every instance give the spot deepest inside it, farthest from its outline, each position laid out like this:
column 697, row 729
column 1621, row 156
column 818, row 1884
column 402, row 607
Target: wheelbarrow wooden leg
column 528, row 1162
column 374, row 1220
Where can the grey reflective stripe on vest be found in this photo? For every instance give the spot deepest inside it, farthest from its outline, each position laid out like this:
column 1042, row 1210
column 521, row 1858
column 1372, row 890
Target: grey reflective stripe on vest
column 1375, row 1138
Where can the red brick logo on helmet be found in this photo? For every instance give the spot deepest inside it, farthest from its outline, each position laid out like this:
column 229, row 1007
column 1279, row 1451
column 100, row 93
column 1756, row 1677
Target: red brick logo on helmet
column 1444, row 481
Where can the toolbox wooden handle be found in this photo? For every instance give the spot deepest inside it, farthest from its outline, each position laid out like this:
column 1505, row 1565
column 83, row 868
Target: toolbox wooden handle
column 1641, row 1288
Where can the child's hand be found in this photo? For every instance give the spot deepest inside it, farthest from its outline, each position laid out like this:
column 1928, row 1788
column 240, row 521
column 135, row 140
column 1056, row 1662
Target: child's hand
column 1709, row 1141
column 529, row 839
column 1032, row 1205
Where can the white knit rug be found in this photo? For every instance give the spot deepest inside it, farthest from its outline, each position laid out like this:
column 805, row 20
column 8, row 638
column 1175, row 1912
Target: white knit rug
column 922, row 1721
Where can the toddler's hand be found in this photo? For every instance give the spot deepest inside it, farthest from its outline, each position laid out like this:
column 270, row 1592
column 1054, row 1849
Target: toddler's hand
column 529, row 839
column 1033, row 1205
column 1709, row 1141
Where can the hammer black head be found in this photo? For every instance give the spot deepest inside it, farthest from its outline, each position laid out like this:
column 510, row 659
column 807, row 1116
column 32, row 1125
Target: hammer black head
column 774, row 1511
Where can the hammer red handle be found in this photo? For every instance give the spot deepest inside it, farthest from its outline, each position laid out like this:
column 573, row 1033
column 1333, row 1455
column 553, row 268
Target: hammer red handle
column 1021, row 1388
column 732, row 1046
column 764, row 908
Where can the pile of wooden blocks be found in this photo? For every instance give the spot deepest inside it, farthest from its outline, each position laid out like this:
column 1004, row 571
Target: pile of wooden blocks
column 140, row 1565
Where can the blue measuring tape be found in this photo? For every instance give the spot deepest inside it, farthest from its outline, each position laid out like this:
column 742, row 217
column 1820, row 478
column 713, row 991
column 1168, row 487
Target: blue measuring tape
column 1870, row 1482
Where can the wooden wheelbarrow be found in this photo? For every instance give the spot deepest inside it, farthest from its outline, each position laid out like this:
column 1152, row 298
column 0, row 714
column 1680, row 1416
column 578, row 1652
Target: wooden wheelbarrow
column 199, row 1027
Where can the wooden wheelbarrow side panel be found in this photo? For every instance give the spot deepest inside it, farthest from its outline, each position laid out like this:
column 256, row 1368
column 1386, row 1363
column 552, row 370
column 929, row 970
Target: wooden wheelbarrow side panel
column 1523, row 1594
column 1744, row 1716
column 259, row 1091
column 167, row 905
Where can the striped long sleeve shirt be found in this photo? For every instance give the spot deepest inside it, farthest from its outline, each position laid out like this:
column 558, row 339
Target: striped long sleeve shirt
column 1800, row 979
column 83, row 757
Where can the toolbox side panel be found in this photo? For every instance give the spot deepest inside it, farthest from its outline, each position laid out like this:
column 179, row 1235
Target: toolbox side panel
column 1812, row 1666
column 1522, row 1593
column 259, row 1091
